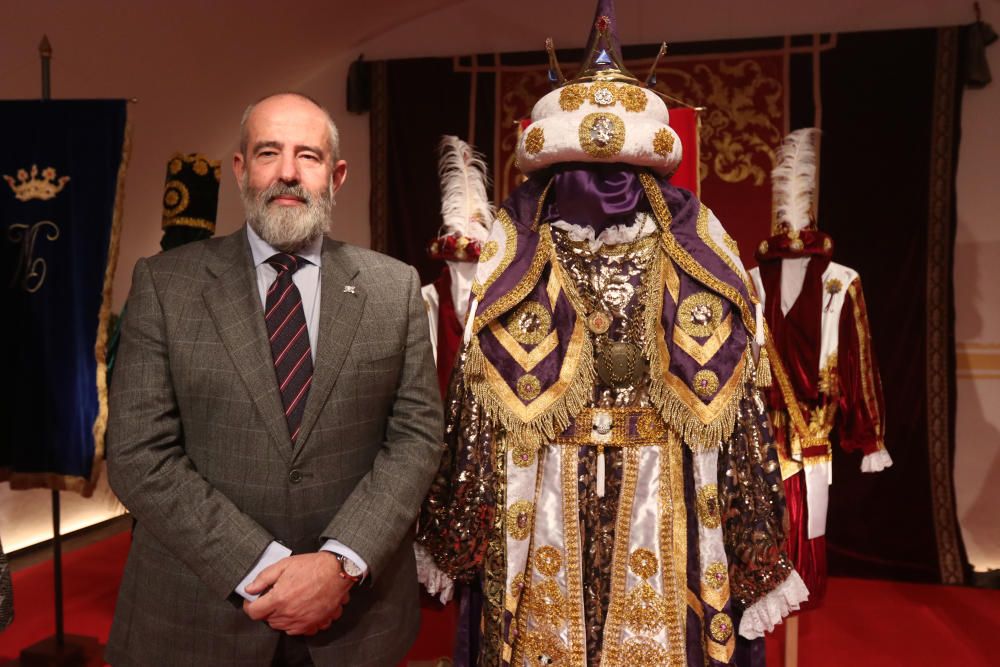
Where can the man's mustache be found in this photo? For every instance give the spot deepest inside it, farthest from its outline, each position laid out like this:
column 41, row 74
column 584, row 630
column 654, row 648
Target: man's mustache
column 279, row 189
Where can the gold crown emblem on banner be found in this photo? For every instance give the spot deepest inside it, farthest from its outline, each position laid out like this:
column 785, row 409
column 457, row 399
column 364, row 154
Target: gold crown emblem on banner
column 43, row 188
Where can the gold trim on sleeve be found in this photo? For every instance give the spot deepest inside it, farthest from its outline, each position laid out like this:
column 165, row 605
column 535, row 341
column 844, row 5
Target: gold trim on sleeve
column 509, row 249
column 864, row 355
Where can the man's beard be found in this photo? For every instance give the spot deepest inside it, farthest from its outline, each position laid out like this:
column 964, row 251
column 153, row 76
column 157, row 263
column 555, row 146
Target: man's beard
column 287, row 228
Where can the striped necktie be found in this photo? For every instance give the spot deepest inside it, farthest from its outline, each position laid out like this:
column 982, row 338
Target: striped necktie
column 286, row 330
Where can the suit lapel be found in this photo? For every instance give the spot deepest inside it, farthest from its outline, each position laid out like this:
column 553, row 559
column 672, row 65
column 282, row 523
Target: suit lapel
column 234, row 303
column 339, row 315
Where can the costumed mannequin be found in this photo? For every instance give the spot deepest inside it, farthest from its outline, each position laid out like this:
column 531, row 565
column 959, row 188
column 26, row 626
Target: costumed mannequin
column 816, row 313
column 609, row 474
column 190, row 203
column 467, row 215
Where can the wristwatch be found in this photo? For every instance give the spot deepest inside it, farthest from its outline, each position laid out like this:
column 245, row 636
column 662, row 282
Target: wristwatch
column 349, row 569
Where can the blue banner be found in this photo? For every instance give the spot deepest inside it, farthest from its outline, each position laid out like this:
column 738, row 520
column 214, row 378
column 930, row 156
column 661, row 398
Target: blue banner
column 62, row 172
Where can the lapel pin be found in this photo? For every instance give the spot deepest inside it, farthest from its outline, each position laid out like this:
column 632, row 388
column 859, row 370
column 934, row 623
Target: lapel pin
column 349, row 289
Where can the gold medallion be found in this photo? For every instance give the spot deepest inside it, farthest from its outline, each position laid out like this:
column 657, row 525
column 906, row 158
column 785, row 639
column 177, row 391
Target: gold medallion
column 528, row 387
column 721, row 628
column 572, row 96
column 523, row 454
column 603, row 94
column 489, row 250
column 650, row 425
column 535, row 141
column 708, row 506
column 663, row 142
column 620, row 364
column 643, row 563
column 519, row 519
column 716, row 576
column 602, row 135
column 706, row 383
column 700, row 314
column 599, row 322
column 530, row 323
column 632, row 98
column 548, row 561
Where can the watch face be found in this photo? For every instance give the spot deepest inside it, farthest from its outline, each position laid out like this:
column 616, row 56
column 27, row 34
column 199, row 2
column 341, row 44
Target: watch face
column 351, row 568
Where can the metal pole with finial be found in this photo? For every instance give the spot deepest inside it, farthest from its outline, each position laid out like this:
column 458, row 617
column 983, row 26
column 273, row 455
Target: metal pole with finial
column 55, row 651
column 45, row 53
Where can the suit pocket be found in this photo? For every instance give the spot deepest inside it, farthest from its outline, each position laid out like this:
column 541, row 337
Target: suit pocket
column 381, row 361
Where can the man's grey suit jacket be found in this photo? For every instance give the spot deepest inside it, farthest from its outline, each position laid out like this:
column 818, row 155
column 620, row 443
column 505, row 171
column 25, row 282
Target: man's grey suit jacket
column 199, row 452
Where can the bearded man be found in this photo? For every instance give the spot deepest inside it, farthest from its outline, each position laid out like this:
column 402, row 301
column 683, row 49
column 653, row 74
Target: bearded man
column 275, row 422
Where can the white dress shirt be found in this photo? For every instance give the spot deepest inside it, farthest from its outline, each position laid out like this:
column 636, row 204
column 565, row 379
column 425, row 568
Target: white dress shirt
column 307, row 280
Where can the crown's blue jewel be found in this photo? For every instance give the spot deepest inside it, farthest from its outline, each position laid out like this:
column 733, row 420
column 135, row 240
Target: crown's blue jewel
column 603, row 58
column 553, row 77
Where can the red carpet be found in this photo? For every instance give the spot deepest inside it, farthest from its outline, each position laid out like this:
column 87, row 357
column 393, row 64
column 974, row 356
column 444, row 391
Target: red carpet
column 862, row 622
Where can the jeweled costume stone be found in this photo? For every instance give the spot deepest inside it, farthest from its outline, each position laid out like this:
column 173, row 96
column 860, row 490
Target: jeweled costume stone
column 816, row 310
column 609, row 475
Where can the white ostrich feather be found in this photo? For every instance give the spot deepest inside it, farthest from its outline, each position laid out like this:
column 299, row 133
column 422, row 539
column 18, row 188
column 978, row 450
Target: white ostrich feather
column 794, row 179
column 466, row 208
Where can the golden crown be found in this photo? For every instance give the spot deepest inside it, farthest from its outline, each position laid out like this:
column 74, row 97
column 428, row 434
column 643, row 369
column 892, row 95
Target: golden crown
column 29, row 186
column 603, row 60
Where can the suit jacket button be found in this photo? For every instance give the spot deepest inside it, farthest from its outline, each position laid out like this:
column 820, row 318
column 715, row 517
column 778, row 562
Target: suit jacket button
column 295, row 476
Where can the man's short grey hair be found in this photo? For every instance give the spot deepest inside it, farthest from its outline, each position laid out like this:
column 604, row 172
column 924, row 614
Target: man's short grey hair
column 334, row 146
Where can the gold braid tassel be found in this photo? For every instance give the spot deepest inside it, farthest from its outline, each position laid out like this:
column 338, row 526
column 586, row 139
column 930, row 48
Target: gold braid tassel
column 763, row 375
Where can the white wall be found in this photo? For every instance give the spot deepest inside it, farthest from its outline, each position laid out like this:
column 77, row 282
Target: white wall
column 194, row 65
column 977, row 329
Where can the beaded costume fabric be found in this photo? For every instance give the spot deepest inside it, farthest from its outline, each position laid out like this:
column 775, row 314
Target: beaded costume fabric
column 665, row 567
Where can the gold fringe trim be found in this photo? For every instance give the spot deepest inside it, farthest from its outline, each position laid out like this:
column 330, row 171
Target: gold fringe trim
column 678, row 411
column 549, row 423
column 698, row 435
column 101, row 345
column 764, row 378
column 673, row 408
column 578, row 388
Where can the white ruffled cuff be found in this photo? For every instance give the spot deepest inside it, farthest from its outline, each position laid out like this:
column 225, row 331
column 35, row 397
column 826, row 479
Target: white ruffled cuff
column 877, row 461
column 434, row 580
column 764, row 614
